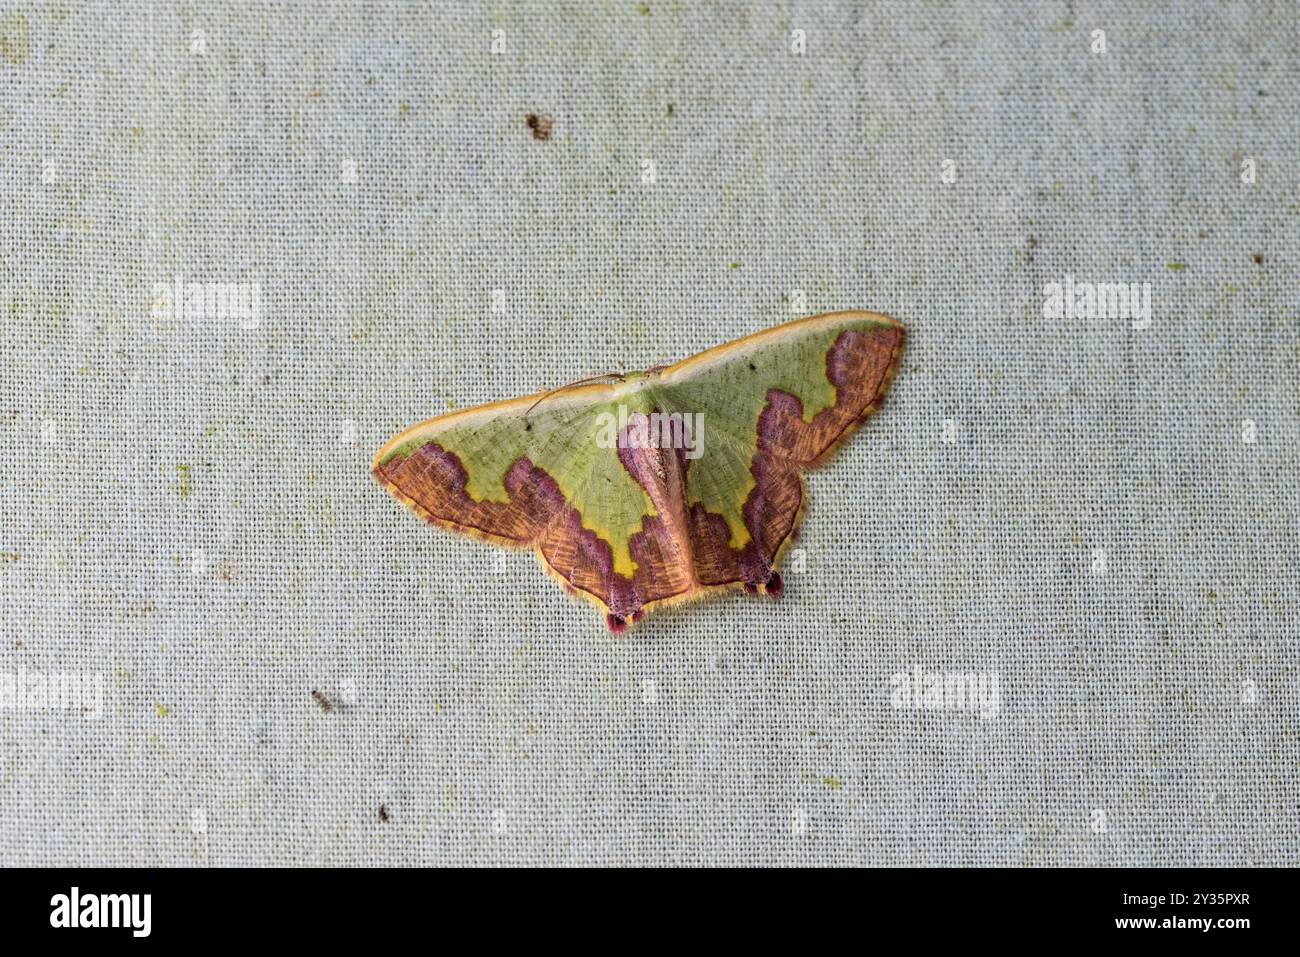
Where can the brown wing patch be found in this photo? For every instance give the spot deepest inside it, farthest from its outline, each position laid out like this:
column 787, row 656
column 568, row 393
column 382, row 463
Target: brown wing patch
column 859, row 365
column 432, row 481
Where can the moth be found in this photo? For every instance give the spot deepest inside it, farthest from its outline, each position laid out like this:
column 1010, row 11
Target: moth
column 650, row 488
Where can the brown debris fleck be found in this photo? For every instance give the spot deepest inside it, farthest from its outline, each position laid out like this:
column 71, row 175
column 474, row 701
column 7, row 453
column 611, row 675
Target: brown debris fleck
column 540, row 125
column 383, row 814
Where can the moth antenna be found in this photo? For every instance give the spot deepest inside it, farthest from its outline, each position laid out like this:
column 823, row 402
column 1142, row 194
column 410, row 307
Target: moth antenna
column 604, row 376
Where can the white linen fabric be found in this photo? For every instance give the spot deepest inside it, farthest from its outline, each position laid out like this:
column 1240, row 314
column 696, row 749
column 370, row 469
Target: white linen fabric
column 1097, row 511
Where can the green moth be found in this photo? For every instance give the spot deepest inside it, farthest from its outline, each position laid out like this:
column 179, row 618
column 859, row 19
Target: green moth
column 658, row 486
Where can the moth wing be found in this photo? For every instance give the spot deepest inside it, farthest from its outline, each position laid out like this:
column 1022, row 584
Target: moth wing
column 542, row 475
column 772, row 405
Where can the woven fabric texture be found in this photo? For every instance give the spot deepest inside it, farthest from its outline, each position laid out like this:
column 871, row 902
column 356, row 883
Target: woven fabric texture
column 1096, row 511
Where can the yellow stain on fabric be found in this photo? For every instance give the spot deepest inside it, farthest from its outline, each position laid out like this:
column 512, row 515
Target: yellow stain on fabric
column 15, row 37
